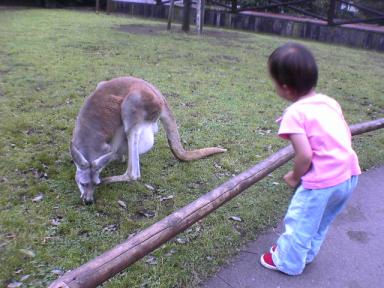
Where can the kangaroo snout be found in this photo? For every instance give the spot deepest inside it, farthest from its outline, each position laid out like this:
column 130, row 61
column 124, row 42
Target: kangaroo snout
column 88, row 200
column 87, row 192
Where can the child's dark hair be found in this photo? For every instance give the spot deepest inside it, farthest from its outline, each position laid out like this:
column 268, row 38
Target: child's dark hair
column 294, row 65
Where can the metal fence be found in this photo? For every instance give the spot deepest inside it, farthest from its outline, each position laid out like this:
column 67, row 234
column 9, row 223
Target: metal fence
column 333, row 12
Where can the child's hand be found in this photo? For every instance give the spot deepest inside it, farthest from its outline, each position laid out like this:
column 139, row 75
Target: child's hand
column 290, row 179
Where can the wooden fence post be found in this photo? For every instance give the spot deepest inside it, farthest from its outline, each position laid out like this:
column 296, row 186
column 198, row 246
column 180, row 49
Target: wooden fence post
column 105, row 266
column 170, row 14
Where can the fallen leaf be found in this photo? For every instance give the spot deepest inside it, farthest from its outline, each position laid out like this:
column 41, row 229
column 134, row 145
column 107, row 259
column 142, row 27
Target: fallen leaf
column 110, row 228
column 46, row 239
column 122, row 204
column 147, row 213
column 56, row 221
column 38, row 198
column 198, row 228
column 217, row 165
column 235, row 218
column 146, row 283
column 170, row 252
column 25, row 277
column 194, row 185
column 10, row 236
column 181, row 240
column 14, row 285
column 151, row 260
column 166, row 198
column 57, row 272
column 150, row 187
column 27, row 252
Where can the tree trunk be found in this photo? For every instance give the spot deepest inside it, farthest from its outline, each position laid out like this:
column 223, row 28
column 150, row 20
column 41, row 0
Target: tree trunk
column 331, row 12
column 234, row 6
column 186, row 15
column 97, row 6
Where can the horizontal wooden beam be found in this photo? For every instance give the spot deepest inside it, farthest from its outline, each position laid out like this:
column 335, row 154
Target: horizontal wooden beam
column 364, row 8
column 221, row 5
column 105, row 266
column 263, row 7
column 307, row 13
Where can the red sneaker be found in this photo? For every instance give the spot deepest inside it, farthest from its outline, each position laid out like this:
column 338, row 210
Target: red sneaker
column 267, row 261
column 273, row 248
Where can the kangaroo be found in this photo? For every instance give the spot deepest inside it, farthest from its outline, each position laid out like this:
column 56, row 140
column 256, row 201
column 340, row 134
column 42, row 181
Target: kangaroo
column 120, row 118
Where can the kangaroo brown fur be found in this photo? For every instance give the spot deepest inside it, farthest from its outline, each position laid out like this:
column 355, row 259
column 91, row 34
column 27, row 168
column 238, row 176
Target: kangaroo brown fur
column 118, row 118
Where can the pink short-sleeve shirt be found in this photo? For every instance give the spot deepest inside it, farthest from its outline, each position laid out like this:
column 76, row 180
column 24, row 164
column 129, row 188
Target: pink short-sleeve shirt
column 321, row 119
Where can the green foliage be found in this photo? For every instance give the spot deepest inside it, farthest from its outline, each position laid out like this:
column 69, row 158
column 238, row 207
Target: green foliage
column 374, row 4
column 218, row 88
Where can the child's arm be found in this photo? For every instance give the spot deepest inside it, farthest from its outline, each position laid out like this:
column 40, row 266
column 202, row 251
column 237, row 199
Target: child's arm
column 302, row 160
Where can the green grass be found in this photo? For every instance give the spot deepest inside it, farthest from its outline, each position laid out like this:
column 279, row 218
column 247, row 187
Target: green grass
column 220, row 93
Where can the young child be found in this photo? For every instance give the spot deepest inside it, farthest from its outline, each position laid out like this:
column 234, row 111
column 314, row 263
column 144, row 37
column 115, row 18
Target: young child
column 325, row 165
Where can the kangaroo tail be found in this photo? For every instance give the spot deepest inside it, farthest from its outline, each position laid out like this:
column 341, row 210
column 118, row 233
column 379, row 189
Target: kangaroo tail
column 174, row 142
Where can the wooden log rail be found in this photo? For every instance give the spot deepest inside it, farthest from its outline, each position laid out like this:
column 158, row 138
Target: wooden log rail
column 105, row 266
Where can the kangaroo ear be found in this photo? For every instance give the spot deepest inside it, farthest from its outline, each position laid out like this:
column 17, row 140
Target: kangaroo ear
column 102, row 161
column 78, row 158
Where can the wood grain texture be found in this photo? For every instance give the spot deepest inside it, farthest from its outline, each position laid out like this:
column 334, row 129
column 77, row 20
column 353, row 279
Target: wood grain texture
column 105, row 266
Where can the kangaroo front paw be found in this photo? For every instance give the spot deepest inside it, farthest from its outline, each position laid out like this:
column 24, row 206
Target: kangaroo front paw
column 120, row 178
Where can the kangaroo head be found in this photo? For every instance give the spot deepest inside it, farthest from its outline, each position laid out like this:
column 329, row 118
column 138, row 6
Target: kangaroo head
column 88, row 173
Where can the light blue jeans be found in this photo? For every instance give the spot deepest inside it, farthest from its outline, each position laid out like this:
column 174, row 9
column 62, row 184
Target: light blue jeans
column 306, row 223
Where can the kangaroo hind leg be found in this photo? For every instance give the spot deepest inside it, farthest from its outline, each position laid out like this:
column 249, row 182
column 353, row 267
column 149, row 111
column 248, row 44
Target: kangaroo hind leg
column 132, row 117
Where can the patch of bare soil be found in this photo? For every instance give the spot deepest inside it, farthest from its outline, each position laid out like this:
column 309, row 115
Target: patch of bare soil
column 222, row 34
column 139, row 29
